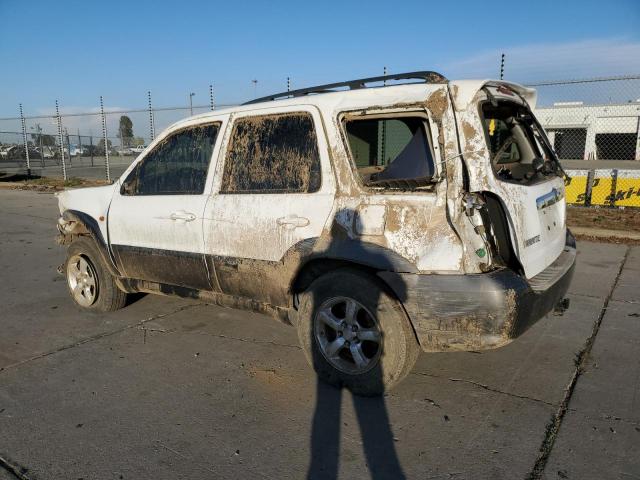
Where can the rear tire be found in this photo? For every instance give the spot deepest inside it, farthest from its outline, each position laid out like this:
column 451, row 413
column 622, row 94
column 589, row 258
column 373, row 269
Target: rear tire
column 355, row 334
column 90, row 284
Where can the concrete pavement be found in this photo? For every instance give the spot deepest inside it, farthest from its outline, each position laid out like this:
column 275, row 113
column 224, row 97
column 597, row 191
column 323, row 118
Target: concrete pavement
column 172, row 388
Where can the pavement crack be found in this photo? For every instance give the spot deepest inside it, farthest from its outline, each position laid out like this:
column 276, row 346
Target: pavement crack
column 553, row 427
column 584, row 295
column 487, row 387
column 99, row 336
column 13, row 468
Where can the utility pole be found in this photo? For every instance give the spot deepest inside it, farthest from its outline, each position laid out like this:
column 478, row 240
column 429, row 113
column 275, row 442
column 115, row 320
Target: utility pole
column 502, row 67
column 38, row 130
column 255, row 88
column 191, row 95
column 211, row 96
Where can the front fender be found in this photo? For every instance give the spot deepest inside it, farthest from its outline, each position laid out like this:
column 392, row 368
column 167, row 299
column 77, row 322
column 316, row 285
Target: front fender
column 75, row 222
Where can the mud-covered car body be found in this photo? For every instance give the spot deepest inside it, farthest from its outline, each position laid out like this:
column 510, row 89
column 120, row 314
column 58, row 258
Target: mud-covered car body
column 467, row 230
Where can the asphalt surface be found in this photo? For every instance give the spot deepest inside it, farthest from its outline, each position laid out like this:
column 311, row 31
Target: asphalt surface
column 79, row 167
column 168, row 388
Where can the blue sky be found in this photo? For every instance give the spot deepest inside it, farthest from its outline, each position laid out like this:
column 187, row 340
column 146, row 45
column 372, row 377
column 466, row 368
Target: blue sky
column 77, row 51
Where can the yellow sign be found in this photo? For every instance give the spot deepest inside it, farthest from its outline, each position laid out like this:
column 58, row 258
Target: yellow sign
column 575, row 189
column 626, row 194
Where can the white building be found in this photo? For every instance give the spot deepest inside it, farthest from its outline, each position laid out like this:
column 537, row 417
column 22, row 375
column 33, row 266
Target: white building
column 593, row 132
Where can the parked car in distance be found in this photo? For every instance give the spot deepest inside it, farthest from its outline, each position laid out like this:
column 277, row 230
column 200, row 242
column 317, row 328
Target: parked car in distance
column 4, row 151
column 77, row 150
column 16, row 152
column 125, row 151
column 48, row 152
column 138, row 149
column 426, row 214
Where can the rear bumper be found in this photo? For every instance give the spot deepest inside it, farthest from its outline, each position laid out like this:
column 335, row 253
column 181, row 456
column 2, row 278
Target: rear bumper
column 480, row 311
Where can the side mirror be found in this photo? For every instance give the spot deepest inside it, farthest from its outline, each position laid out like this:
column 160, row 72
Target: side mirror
column 126, row 189
column 130, row 184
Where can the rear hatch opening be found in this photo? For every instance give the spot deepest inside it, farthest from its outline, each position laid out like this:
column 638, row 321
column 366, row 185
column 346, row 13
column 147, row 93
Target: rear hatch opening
column 518, row 147
column 530, row 182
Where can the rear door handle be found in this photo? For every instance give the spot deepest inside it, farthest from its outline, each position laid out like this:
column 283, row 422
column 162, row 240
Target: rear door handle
column 293, row 221
column 182, row 216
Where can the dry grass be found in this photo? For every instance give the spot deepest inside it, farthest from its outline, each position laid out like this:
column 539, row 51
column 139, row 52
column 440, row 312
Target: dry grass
column 45, row 184
column 627, row 219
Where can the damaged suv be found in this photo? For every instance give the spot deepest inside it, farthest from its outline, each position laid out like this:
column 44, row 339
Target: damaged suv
column 380, row 217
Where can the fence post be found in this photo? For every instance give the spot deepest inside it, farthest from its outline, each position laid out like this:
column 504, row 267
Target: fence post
column 152, row 132
column 91, row 148
column 106, row 141
column 614, row 186
column 64, row 167
column 26, row 145
column 39, row 130
column 68, row 146
column 589, row 188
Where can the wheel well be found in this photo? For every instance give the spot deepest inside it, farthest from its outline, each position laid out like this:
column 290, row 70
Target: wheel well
column 315, row 268
column 85, row 225
column 497, row 218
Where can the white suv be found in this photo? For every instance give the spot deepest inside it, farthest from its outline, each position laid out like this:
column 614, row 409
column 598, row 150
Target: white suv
column 378, row 218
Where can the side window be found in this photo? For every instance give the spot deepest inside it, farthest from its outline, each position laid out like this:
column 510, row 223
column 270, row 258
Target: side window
column 391, row 152
column 176, row 166
column 272, row 154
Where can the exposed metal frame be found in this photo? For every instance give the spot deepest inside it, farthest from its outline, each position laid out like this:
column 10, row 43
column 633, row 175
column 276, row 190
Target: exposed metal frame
column 426, row 76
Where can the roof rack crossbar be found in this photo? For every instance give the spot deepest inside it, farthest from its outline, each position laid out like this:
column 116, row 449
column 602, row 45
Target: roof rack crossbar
column 426, row 76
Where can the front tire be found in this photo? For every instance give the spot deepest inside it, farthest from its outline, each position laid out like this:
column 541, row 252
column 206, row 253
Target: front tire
column 90, row 284
column 355, row 334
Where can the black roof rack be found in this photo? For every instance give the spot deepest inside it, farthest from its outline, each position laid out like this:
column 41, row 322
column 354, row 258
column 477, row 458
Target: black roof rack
column 427, row 77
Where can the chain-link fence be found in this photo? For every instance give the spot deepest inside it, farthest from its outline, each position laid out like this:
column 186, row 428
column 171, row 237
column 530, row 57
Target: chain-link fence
column 592, row 123
column 592, row 119
column 100, row 143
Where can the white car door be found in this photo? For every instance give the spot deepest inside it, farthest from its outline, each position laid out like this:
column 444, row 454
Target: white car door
column 155, row 217
column 273, row 188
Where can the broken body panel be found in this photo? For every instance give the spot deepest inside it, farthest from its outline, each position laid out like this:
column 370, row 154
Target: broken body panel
column 432, row 244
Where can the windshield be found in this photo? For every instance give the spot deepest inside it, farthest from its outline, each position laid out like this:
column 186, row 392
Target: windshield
column 518, row 148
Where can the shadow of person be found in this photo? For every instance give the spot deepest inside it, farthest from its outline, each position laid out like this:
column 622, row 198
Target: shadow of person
column 353, row 321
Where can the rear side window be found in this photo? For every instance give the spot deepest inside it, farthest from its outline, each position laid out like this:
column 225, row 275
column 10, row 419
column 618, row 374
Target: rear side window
column 272, row 154
column 176, row 166
column 391, row 152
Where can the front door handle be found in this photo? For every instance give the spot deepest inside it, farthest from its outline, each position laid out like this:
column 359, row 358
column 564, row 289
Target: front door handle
column 293, row 221
column 182, row 216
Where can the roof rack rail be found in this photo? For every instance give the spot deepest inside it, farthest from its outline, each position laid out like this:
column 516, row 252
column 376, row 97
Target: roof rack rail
column 426, row 76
